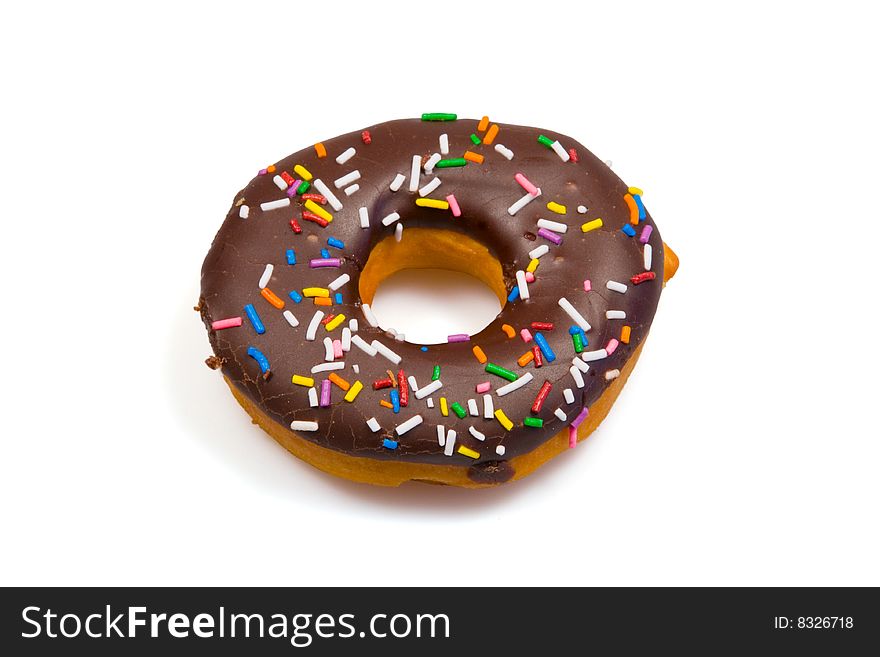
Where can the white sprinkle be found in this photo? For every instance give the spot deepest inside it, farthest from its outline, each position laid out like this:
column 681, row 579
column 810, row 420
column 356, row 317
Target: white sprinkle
column 590, row 356
column 581, row 365
column 413, row 384
column 522, row 284
column 514, row 385
column 362, row 344
column 267, row 274
column 506, row 152
column 577, row 376
column 328, row 349
column 429, row 165
column 356, row 368
column 414, row 171
column 552, row 225
column 610, row 375
column 472, row 407
column 582, row 209
column 339, row 282
column 398, row 232
column 390, row 219
column 347, row 179
column 313, row 397
column 397, row 182
column 369, row 316
column 274, row 205
column 430, row 402
column 411, row 423
column 279, row 182
column 351, row 189
column 522, row 202
column 568, row 395
column 329, row 195
column 373, row 423
column 328, row 367
column 615, row 314
column 444, row 144
column 499, row 450
column 479, row 435
column 303, row 425
column 441, row 434
column 385, row 351
column 400, row 337
column 346, row 339
column 608, row 163
column 646, row 254
column 430, row 187
column 560, row 151
column 429, row 389
column 345, row 155
column 312, row 330
column 353, row 324
column 560, row 414
column 538, row 251
column 488, row 407
column 616, row 287
column 291, row 319
column 244, row 211
column 579, row 319
column 364, row 215
column 450, row 443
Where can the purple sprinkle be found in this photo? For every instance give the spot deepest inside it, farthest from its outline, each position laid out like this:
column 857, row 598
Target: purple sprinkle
column 291, row 192
column 263, row 172
column 458, row 337
column 646, row 234
column 325, row 393
column 549, row 235
column 324, row 262
column 580, row 417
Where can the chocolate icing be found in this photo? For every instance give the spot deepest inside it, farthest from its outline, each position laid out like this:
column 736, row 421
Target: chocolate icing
column 484, row 191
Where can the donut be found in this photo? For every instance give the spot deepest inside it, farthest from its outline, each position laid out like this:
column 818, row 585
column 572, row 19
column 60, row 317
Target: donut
column 571, row 252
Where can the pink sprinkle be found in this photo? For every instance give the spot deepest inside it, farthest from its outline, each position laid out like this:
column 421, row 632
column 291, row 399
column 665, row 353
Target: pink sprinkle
column 530, row 277
column 646, row 234
column 325, row 393
column 453, row 205
column 485, row 386
column 580, row 417
column 572, row 437
column 526, row 335
column 324, row 262
column 611, row 346
column 229, row 322
column 526, row 185
column 458, row 337
column 587, row 285
column 337, row 349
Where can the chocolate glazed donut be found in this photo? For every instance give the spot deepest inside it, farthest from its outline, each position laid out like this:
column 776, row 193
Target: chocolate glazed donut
column 573, row 256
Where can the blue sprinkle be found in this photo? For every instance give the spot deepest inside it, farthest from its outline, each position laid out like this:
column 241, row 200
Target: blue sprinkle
column 574, row 329
column 325, row 253
column 296, row 296
column 339, row 244
column 629, row 230
column 395, row 400
column 390, row 444
column 514, row 294
column 258, row 356
column 541, row 341
column 424, row 349
column 338, row 297
column 291, row 257
column 641, row 206
column 254, row 318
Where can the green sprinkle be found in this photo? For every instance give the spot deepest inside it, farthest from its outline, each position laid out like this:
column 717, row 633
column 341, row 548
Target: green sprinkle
column 477, row 141
column 436, row 374
column 533, row 422
column 438, row 116
column 454, row 162
column 303, row 187
column 578, row 343
column 546, row 141
column 458, row 410
column 497, row 370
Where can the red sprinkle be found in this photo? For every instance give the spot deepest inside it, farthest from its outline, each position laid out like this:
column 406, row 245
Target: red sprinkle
column 318, row 198
column 365, row 137
column 311, row 216
column 542, row 396
column 378, row 384
column 542, row 326
column 403, row 387
column 296, row 227
column 286, row 177
column 539, row 359
column 644, row 276
column 328, row 319
column 573, row 154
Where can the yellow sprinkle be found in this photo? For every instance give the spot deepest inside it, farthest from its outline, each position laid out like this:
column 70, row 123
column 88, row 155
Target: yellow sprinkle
column 444, row 409
column 320, row 150
column 467, row 451
column 318, row 210
column 336, row 321
column 533, row 265
column 316, row 292
column 503, row 419
column 432, row 203
column 553, row 206
column 484, row 123
column 302, row 172
column 306, row 381
column 591, row 225
column 624, row 334
column 480, row 354
column 635, row 191
column 354, row 391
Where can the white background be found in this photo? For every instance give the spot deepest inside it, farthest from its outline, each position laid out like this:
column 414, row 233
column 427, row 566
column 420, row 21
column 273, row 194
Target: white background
column 744, row 449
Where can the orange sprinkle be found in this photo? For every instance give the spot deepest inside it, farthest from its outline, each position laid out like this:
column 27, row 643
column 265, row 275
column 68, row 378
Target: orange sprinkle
column 272, row 298
column 320, row 150
column 470, row 156
column 633, row 209
column 323, row 301
column 490, row 136
column 525, row 359
column 484, row 123
column 480, row 354
column 270, row 168
column 338, row 380
column 508, row 330
column 624, row 334
column 386, row 404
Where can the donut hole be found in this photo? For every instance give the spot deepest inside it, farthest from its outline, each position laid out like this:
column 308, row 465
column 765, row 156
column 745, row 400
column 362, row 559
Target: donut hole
column 432, row 284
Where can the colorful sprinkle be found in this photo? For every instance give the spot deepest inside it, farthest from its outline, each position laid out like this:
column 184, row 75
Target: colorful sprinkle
column 508, row 330
column 545, row 347
column 479, row 354
column 296, row 296
column 491, row 134
column 476, row 158
column 444, row 409
column 453, row 205
column 625, row 334
column 439, row 116
column 497, row 370
column 646, row 234
column 467, row 451
column 628, row 230
column 483, row 387
column 591, row 225
column 254, row 319
column 390, row 444
column 306, row 381
column 458, row 410
column 258, row 356
column 450, row 163
column 644, row 276
column 534, row 422
column 503, row 419
column 272, row 298
column 458, row 337
column 229, row 322
column 432, row 203
column 553, row 206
